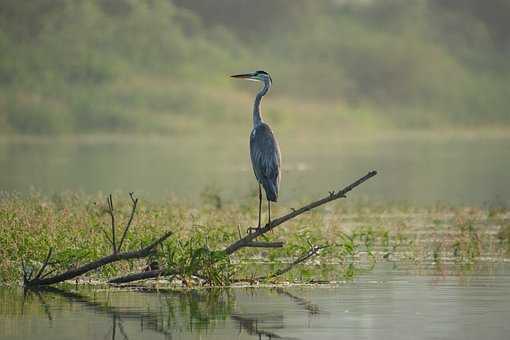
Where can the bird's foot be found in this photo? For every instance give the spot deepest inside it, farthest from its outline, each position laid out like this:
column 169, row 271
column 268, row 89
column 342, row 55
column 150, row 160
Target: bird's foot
column 251, row 230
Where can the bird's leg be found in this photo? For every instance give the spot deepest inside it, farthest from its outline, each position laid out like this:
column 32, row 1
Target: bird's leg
column 260, row 203
column 268, row 212
column 250, row 229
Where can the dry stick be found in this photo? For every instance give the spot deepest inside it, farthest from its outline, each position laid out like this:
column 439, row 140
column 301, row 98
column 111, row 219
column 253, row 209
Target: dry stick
column 138, row 276
column 41, row 271
column 248, row 239
column 98, row 263
column 126, row 229
column 26, row 276
column 274, row 223
column 255, row 244
column 109, row 203
column 309, row 253
column 313, row 251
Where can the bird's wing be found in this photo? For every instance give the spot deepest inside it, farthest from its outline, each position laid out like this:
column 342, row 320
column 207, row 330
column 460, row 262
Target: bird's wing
column 265, row 154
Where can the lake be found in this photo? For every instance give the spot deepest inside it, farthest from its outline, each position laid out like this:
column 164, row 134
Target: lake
column 394, row 301
column 420, row 168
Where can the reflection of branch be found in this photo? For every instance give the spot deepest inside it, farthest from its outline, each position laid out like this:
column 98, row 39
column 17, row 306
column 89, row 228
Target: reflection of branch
column 114, row 312
column 312, row 308
column 46, row 308
column 118, row 321
column 250, row 324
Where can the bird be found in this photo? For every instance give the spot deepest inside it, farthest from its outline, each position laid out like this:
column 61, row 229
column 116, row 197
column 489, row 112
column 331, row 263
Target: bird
column 264, row 148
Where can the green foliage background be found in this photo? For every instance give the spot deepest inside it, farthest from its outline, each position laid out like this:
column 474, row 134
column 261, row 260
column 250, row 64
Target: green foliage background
column 161, row 66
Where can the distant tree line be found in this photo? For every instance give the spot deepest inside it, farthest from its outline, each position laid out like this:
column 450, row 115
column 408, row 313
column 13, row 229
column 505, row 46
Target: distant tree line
column 125, row 65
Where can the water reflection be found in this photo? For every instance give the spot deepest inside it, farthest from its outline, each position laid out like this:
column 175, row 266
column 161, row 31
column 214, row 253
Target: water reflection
column 199, row 310
column 388, row 303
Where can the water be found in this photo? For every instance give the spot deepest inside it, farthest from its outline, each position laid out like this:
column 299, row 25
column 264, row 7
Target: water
column 420, row 168
column 389, row 303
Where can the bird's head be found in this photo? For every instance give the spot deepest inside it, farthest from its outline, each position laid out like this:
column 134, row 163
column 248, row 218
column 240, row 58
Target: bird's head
column 262, row 76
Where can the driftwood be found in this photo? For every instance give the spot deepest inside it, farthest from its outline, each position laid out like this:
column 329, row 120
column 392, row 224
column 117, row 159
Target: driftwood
column 41, row 278
column 249, row 239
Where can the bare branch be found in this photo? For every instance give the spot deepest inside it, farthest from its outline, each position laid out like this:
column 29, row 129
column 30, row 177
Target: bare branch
column 108, row 238
column 255, row 244
column 248, row 240
column 26, row 277
column 313, row 251
column 109, row 203
column 138, row 276
column 134, row 201
column 72, row 273
column 51, row 271
column 276, row 222
column 45, row 264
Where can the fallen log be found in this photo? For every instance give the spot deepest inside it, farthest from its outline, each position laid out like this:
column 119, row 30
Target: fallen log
column 43, row 279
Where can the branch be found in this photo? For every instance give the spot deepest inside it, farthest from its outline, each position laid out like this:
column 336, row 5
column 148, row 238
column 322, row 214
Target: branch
column 43, row 267
column 109, row 204
column 72, row 273
column 133, row 210
column 138, row 276
column 245, row 241
column 255, row 244
column 248, row 240
column 26, row 275
column 313, row 251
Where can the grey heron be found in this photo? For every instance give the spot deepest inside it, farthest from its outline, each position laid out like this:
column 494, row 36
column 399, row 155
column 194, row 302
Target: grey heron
column 264, row 148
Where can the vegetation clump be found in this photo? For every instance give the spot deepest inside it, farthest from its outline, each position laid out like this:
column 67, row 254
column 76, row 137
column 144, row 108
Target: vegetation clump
column 353, row 237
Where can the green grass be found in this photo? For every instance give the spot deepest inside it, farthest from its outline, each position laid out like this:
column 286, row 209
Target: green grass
column 361, row 234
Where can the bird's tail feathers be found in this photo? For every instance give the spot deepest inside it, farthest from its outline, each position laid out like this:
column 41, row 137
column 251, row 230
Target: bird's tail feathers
column 271, row 191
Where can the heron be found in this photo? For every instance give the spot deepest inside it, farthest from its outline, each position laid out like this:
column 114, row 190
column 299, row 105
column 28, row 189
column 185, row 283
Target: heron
column 264, row 149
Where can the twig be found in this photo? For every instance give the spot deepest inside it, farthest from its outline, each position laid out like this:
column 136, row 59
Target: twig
column 26, row 276
column 276, row 222
column 133, row 210
column 43, row 267
column 313, row 251
column 109, row 203
column 72, row 273
column 108, row 238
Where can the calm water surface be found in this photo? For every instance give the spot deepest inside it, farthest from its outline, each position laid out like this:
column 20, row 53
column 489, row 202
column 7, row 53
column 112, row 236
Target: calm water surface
column 388, row 303
column 420, row 168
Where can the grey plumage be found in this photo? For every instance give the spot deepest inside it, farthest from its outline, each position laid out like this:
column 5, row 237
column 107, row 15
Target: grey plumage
column 266, row 160
column 264, row 148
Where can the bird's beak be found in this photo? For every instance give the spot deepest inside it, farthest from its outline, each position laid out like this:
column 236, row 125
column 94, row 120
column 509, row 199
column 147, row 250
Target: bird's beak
column 243, row 76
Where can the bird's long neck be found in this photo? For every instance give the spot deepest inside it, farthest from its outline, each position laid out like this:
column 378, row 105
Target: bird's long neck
column 257, row 116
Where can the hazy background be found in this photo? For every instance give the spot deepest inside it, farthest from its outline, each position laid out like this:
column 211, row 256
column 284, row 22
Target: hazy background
column 161, row 66
column 369, row 71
